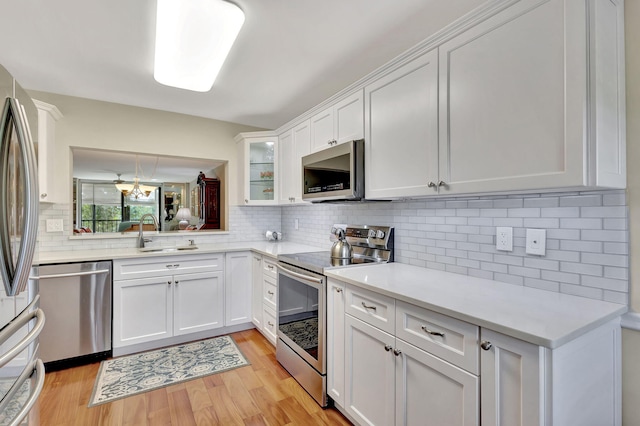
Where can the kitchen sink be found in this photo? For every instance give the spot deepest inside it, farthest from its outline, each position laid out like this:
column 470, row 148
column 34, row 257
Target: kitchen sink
column 166, row 249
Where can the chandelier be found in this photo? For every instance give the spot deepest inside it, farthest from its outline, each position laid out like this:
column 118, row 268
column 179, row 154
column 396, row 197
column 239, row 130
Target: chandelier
column 135, row 189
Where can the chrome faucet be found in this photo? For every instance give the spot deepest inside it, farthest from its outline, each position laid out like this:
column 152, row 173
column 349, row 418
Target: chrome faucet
column 141, row 239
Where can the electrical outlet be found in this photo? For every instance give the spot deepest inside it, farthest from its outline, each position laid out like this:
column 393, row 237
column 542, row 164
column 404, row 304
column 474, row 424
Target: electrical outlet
column 54, row 225
column 536, row 241
column 504, row 238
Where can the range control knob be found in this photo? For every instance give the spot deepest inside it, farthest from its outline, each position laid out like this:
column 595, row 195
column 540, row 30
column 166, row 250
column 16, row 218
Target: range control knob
column 380, row 234
column 372, row 233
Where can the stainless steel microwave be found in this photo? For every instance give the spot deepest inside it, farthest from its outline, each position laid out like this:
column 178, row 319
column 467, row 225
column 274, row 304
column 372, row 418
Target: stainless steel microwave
column 334, row 174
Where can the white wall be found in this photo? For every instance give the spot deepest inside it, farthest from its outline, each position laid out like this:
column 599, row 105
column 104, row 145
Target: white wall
column 103, row 125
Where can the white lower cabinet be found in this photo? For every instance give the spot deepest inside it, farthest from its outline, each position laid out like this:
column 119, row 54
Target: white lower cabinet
column 390, row 382
column 264, row 297
column 335, row 340
column 256, row 291
column 237, row 286
column 432, row 369
column 147, row 309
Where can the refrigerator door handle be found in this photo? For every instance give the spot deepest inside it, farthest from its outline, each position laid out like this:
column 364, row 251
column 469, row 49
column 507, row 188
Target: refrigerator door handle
column 36, row 366
column 16, row 324
column 15, row 277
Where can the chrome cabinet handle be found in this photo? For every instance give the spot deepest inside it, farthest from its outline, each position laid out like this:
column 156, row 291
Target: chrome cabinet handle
column 176, row 265
column 442, row 183
column 431, row 332
column 338, row 289
column 168, row 282
column 270, row 323
column 387, row 348
column 270, row 292
column 364, row 305
column 177, row 282
column 397, row 352
column 431, row 184
column 486, row 345
column 270, row 267
column 44, row 195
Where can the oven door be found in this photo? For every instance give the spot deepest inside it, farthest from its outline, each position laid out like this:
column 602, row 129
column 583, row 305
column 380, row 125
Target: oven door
column 301, row 313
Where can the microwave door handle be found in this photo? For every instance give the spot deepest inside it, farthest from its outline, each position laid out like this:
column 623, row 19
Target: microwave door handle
column 36, row 366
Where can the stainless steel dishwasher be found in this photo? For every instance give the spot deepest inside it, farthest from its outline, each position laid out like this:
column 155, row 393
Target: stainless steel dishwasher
column 76, row 299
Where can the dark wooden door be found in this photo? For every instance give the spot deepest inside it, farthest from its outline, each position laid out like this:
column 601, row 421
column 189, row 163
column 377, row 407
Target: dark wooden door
column 210, row 203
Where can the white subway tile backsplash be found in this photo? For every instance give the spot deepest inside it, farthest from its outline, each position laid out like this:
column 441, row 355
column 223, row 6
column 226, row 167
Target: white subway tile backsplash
column 587, row 236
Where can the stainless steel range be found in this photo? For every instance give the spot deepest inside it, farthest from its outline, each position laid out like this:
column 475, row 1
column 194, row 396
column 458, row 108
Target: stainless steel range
column 302, row 294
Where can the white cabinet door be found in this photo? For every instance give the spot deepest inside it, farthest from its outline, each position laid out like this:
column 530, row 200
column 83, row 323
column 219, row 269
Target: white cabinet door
column 401, row 131
column 286, row 152
column 335, row 341
column 302, row 147
column 430, row 391
column 48, row 185
column 322, row 130
column 340, row 123
column 514, row 101
column 142, row 310
column 238, row 283
column 293, row 145
column 256, row 291
column 348, row 118
column 370, row 373
column 512, row 384
column 257, row 168
column 198, row 302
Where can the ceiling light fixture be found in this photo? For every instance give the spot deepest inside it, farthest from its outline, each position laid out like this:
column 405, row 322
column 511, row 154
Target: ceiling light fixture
column 193, row 38
column 135, row 190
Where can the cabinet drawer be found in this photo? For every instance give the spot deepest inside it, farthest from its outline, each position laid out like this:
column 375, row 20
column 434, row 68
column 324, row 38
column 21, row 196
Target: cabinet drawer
column 269, row 292
column 143, row 267
column 371, row 307
column 270, row 329
column 453, row 340
column 269, row 268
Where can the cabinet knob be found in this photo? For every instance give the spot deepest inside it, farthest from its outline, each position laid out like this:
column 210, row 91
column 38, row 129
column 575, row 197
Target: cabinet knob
column 270, row 293
column 442, row 183
column 168, row 282
column 270, row 323
column 431, row 184
column 397, row 352
column 388, row 348
column 486, row 345
column 44, row 195
column 338, row 290
column 246, row 201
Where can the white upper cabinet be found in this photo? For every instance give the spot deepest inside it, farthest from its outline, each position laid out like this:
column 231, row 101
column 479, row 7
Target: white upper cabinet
column 293, row 145
column 257, row 168
column 401, row 131
column 50, row 189
column 340, row 123
column 513, row 92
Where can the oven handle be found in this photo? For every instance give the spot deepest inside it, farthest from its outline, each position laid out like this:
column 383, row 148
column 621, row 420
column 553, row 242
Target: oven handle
column 299, row 275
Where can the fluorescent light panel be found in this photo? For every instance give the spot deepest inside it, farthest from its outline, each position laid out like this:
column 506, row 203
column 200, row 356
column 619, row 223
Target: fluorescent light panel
column 193, row 38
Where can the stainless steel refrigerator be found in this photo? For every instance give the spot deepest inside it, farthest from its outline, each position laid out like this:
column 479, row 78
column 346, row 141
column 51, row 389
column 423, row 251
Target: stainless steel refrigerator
column 21, row 319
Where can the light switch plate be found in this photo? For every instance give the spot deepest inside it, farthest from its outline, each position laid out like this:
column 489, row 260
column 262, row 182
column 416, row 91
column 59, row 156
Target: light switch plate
column 504, row 238
column 54, row 225
column 536, row 241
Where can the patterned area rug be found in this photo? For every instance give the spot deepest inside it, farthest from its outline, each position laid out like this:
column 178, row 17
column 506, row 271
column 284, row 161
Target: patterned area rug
column 138, row 373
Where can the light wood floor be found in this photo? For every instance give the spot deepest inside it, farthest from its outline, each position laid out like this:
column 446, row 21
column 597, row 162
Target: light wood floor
column 260, row 394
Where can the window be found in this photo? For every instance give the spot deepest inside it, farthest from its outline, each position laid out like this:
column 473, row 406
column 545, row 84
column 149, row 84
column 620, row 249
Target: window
column 102, row 208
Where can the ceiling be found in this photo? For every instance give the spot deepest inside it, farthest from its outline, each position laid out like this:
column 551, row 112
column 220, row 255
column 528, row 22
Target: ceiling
column 289, row 56
column 106, row 165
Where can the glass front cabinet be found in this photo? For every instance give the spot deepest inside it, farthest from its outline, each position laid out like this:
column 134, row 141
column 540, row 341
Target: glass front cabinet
column 258, row 168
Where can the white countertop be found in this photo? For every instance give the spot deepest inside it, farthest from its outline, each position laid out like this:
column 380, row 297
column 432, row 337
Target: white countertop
column 537, row 316
column 267, row 248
